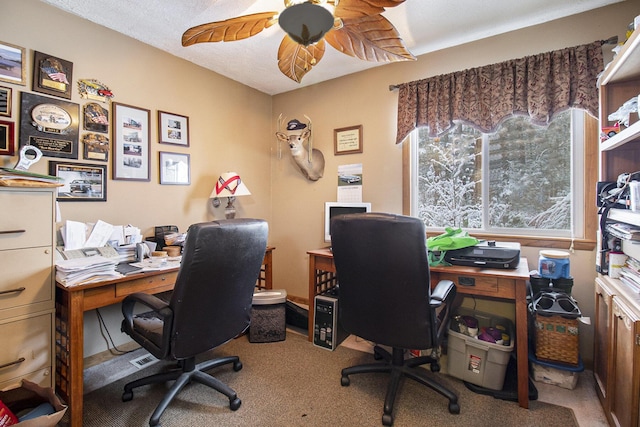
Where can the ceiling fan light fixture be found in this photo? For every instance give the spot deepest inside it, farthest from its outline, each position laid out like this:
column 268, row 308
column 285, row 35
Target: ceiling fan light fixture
column 306, row 23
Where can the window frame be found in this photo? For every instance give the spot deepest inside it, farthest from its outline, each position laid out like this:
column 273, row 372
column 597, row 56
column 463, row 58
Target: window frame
column 589, row 224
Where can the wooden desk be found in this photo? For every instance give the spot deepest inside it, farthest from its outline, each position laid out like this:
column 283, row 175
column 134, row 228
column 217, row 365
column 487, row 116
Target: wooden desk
column 481, row 282
column 72, row 302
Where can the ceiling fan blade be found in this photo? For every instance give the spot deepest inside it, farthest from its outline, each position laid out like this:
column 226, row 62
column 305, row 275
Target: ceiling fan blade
column 371, row 38
column 228, row 30
column 349, row 9
column 296, row 60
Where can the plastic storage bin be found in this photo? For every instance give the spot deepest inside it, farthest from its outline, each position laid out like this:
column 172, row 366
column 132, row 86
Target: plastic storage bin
column 268, row 316
column 479, row 362
column 554, row 264
column 555, row 373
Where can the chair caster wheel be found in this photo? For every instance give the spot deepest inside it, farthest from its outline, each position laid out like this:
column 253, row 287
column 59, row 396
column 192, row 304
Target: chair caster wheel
column 344, row 381
column 237, row 366
column 235, row 404
column 435, row 367
column 377, row 356
column 387, row 420
column 454, row 408
column 127, row 396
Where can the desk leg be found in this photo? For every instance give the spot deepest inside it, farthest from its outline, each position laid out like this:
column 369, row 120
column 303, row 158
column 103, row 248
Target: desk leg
column 268, row 270
column 522, row 350
column 312, row 295
column 70, row 352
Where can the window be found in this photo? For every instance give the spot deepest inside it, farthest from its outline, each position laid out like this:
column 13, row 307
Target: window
column 522, row 180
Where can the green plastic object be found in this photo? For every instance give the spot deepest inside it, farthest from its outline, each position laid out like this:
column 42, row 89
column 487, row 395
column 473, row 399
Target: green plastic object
column 451, row 239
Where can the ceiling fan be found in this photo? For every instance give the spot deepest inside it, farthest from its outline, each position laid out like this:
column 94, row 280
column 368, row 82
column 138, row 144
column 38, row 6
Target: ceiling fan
column 353, row 27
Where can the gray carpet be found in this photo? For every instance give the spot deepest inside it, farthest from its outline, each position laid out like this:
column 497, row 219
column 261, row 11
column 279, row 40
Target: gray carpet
column 293, row 383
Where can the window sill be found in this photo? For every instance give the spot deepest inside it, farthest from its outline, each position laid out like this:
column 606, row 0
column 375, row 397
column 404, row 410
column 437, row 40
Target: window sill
column 540, row 242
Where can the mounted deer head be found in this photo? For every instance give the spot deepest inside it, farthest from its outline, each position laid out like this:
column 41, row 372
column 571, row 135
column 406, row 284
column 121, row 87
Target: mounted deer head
column 310, row 161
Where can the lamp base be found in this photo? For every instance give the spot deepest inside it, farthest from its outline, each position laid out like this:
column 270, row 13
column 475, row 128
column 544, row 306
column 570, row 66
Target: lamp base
column 230, row 210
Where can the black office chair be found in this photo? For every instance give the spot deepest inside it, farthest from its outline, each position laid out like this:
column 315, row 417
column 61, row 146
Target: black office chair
column 210, row 305
column 385, row 297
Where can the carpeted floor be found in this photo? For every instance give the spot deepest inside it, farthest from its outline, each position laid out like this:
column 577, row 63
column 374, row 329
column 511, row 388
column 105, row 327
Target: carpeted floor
column 293, row 383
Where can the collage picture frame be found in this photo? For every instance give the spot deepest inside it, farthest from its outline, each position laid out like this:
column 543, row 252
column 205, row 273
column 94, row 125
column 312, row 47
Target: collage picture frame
column 130, row 141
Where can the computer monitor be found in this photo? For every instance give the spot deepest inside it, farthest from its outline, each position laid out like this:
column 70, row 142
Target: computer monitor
column 332, row 209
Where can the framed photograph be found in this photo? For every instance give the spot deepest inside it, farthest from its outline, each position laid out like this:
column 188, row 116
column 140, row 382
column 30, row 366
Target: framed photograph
column 174, row 168
column 51, row 75
column 347, row 140
column 13, row 64
column 7, row 139
column 82, row 182
column 51, row 124
column 130, row 140
column 173, row 129
column 5, row 101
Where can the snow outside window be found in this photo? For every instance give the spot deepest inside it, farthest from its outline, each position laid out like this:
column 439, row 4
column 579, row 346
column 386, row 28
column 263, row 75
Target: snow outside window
column 519, row 180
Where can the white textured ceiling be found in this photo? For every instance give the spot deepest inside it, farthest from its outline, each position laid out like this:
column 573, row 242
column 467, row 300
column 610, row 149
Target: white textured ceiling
column 424, row 25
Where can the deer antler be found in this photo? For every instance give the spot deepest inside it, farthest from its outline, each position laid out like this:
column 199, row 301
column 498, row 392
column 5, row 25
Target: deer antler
column 282, row 120
column 310, row 137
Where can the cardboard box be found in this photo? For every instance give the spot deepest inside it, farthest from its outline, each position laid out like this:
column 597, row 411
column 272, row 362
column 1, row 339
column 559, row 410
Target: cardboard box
column 27, row 397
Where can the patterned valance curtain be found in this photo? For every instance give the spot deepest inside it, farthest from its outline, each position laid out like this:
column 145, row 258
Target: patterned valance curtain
column 539, row 86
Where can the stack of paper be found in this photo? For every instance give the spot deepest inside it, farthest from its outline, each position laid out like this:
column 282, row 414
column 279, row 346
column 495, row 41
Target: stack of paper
column 630, row 274
column 78, row 271
column 623, row 231
column 127, row 253
column 20, row 178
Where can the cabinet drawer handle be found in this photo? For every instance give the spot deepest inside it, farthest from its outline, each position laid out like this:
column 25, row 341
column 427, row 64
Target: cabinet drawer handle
column 10, row 291
column 12, row 231
column 16, row 362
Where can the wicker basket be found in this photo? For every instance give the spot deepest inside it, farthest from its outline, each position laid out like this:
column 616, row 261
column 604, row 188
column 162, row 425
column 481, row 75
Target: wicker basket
column 557, row 339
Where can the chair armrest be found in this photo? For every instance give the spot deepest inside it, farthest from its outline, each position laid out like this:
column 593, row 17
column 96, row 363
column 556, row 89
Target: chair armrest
column 444, row 290
column 150, row 301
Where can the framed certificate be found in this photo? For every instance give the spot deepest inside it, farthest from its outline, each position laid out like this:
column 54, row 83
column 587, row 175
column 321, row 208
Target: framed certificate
column 347, row 140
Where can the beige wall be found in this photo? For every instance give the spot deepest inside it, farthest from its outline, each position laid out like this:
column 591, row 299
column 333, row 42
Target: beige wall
column 232, row 128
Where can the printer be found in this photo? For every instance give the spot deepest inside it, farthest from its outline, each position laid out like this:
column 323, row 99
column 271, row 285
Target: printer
column 488, row 253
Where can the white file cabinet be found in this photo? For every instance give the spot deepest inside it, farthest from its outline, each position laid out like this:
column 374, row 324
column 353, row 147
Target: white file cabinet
column 27, row 286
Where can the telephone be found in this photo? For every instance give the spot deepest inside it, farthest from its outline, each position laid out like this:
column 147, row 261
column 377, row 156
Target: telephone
column 106, row 251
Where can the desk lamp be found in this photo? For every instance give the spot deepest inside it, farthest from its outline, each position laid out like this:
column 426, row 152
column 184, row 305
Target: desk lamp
column 229, row 185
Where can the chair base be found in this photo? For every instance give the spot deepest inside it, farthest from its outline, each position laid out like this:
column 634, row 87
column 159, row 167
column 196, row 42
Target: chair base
column 398, row 367
column 187, row 373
